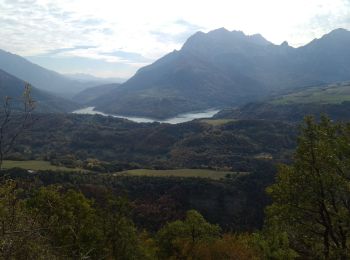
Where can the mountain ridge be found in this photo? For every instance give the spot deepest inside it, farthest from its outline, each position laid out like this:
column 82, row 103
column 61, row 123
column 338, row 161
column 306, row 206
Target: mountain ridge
column 42, row 78
column 222, row 68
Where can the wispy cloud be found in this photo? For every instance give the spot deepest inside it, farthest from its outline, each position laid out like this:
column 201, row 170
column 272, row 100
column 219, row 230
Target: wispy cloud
column 128, row 56
column 130, row 34
column 176, row 33
column 65, row 50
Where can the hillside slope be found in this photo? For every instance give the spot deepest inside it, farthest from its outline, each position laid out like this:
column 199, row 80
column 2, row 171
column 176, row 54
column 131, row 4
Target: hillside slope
column 332, row 100
column 45, row 102
column 92, row 93
column 40, row 77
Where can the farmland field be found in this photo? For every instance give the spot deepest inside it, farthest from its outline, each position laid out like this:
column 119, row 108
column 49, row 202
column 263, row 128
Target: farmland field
column 216, row 122
column 330, row 94
column 199, row 173
column 35, row 166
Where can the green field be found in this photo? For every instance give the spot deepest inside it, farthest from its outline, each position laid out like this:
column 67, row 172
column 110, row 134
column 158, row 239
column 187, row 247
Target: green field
column 36, row 166
column 216, row 122
column 330, row 94
column 199, row 173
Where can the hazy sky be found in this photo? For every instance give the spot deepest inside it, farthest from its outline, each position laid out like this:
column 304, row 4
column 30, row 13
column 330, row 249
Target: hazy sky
column 114, row 38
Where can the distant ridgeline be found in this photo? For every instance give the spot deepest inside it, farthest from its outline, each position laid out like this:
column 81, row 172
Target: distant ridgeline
column 13, row 87
column 45, row 79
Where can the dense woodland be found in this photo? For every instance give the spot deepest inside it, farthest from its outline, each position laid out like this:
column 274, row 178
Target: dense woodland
column 120, row 144
column 287, row 112
column 60, row 215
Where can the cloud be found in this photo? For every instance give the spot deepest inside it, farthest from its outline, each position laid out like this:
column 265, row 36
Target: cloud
column 64, row 50
column 92, row 52
column 134, row 33
column 177, row 33
column 74, row 64
column 90, row 21
column 128, row 56
column 331, row 17
column 188, row 25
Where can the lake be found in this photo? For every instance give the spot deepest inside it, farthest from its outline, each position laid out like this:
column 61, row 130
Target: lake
column 182, row 118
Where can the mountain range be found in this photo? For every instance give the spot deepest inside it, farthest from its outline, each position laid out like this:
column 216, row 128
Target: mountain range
column 217, row 69
column 225, row 68
column 83, row 77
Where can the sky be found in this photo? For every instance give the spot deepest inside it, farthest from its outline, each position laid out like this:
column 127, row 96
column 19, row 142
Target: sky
column 114, row 38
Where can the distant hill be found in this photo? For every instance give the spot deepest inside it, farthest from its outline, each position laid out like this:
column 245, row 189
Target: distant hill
column 40, row 77
column 332, row 100
column 45, row 102
column 223, row 68
column 82, row 77
column 88, row 95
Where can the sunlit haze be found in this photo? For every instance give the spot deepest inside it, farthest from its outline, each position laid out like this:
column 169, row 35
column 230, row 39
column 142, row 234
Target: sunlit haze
column 110, row 38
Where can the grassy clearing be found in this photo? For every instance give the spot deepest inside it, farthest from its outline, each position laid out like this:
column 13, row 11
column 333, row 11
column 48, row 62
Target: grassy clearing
column 36, row 166
column 217, row 122
column 331, row 94
column 199, row 173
